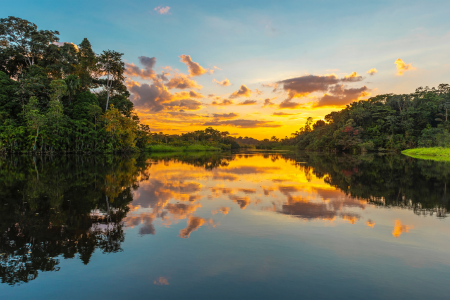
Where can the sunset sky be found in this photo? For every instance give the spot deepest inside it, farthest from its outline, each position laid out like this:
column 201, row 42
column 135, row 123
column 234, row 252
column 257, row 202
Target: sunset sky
column 256, row 68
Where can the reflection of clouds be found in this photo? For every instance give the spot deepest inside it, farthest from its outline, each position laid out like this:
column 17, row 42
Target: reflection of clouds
column 161, row 281
column 247, row 191
column 174, row 189
column 308, row 210
column 181, row 211
column 399, row 228
column 156, row 193
column 286, row 190
column 244, row 170
column 147, row 228
column 333, row 202
column 241, row 201
column 223, row 210
column 350, row 217
column 193, row 224
column 228, row 177
column 224, row 191
column 370, row 223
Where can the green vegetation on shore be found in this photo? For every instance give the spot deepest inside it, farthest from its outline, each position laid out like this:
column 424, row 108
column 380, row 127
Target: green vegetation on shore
column 62, row 97
column 194, row 148
column 387, row 122
column 436, row 153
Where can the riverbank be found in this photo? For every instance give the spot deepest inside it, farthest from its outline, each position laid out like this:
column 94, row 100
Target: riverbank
column 190, row 148
column 437, row 153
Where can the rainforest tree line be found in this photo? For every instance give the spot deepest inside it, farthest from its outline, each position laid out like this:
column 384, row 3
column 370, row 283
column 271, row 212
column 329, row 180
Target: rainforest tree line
column 385, row 122
column 62, row 97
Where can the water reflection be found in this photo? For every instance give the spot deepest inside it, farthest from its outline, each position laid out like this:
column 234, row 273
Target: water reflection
column 62, row 207
column 54, row 208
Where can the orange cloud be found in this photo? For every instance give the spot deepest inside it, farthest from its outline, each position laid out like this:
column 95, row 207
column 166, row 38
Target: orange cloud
column 399, row 228
column 224, row 102
column 372, row 71
column 288, row 103
column 184, row 95
column 181, row 81
column 268, row 102
column 352, row 77
column 282, row 114
column 193, row 224
column 147, row 73
column 224, row 82
column 248, row 102
column 402, row 67
column 240, row 123
column 273, row 85
column 188, row 104
column 194, row 68
column 302, row 86
column 149, row 96
column 242, row 92
column 339, row 96
column 225, row 116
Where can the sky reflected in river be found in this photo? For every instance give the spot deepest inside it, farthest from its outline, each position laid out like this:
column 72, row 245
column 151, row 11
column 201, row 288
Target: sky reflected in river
column 250, row 226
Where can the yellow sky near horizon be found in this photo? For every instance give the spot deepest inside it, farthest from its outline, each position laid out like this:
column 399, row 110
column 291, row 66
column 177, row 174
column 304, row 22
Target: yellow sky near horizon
column 174, row 102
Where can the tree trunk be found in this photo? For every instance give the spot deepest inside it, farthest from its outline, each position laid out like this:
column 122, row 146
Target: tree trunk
column 35, row 139
column 107, row 90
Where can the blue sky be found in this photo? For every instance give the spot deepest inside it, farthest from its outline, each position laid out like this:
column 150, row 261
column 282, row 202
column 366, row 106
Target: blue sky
column 261, row 42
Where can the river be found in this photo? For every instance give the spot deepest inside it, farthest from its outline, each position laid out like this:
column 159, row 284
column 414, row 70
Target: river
column 246, row 225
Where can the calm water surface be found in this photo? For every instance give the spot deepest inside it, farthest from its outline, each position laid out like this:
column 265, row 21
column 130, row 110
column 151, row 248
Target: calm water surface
column 234, row 226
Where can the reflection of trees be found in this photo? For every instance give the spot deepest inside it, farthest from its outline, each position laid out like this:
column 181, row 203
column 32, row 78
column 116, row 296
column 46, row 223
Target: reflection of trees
column 208, row 161
column 55, row 206
column 385, row 180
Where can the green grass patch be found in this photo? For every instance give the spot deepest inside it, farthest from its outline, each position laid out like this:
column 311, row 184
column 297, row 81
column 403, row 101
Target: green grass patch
column 168, row 148
column 438, row 153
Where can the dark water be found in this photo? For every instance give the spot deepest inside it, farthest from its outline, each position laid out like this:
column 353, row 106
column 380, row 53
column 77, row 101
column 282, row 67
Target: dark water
column 236, row 226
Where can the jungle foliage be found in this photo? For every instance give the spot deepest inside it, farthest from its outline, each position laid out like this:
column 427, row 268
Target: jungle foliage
column 385, row 122
column 61, row 97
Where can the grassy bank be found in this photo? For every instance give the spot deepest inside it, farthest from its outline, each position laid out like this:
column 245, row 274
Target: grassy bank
column 438, row 154
column 167, row 148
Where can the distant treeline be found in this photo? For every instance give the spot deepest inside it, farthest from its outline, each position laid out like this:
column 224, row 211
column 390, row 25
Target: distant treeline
column 385, row 122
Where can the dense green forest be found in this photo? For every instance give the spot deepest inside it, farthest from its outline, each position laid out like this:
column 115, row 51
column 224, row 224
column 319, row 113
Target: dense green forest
column 385, row 122
column 61, row 97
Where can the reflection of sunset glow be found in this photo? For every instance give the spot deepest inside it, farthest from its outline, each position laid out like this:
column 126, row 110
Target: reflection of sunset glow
column 193, row 224
column 350, row 218
column 399, row 228
column 161, row 281
column 175, row 190
column 370, row 223
column 223, row 210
